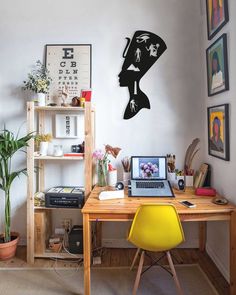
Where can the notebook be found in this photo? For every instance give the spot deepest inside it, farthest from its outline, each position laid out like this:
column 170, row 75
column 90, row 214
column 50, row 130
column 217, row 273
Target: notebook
column 149, row 177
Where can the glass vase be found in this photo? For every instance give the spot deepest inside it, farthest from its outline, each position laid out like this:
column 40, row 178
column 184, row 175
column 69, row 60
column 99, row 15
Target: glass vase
column 102, row 173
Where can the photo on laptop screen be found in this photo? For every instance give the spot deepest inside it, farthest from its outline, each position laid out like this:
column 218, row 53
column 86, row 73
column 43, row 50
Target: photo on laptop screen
column 149, row 168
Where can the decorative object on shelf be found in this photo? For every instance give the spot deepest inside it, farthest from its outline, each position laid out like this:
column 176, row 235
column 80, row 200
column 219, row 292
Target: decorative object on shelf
column 9, row 145
column 189, row 156
column 217, row 66
column 87, row 94
column 126, row 167
column 82, row 102
column 102, row 162
column 218, row 131
column 42, row 142
column 66, row 126
column 140, row 54
column 64, row 96
column 69, row 65
column 75, row 101
column 39, row 199
column 217, row 16
column 78, row 148
column 38, row 82
column 57, row 150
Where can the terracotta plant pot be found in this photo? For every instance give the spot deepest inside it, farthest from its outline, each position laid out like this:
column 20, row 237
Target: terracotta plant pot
column 8, row 250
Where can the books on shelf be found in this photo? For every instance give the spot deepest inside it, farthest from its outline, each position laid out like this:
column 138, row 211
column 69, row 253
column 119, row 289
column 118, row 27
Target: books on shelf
column 74, row 155
column 201, row 175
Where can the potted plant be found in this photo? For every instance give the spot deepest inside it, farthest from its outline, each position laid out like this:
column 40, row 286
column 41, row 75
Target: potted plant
column 38, row 82
column 9, row 145
column 42, row 141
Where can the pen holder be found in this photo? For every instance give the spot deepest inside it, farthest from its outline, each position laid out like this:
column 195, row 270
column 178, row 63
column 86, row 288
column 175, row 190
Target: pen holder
column 172, row 178
column 126, row 178
column 188, row 179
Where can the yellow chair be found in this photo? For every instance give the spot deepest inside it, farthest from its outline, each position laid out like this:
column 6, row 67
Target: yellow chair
column 156, row 227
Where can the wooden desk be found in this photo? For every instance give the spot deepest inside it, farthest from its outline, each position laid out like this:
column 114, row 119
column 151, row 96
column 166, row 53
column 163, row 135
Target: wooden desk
column 124, row 210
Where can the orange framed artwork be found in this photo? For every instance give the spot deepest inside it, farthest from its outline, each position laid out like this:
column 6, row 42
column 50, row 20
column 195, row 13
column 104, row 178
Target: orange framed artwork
column 218, row 131
column 217, row 16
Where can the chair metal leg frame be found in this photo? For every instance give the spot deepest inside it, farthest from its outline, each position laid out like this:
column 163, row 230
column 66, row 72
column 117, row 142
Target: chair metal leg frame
column 135, row 258
column 179, row 290
column 137, row 280
column 155, row 262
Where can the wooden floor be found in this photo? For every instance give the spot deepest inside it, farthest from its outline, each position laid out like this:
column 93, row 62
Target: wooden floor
column 123, row 257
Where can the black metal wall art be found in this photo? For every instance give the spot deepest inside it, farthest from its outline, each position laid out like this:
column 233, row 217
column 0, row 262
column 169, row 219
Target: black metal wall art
column 139, row 55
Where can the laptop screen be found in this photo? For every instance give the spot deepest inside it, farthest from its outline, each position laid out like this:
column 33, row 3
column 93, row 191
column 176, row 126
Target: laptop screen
column 153, row 168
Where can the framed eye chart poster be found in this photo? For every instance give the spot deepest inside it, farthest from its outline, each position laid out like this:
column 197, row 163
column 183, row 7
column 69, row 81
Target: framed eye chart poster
column 69, row 67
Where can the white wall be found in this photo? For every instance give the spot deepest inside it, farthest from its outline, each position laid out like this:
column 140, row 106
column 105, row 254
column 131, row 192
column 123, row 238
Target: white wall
column 173, row 84
column 223, row 172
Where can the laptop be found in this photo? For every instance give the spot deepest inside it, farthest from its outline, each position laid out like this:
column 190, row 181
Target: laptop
column 149, row 177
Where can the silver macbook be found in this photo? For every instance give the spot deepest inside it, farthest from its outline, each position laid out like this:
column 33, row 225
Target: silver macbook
column 149, row 177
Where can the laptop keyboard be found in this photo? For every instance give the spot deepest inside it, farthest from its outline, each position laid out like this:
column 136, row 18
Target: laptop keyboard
column 149, row 184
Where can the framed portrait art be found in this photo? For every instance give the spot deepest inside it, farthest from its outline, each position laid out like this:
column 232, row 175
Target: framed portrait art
column 69, row 66
column 217, row 66
column 218, row 131
column 217, row 16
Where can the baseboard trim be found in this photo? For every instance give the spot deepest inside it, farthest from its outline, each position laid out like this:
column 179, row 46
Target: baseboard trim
column 224, row 271
column 123, row 243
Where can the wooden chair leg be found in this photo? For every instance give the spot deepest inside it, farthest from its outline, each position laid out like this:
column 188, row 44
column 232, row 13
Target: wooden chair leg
column 179, row 290
column 137, row 280
column 135, row 258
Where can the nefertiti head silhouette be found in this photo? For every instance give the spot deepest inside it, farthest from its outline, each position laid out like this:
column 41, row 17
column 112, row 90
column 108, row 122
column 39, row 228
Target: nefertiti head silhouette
column 140, row 54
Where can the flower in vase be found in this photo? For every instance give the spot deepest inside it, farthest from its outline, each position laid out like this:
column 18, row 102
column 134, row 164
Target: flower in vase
column 102, row 162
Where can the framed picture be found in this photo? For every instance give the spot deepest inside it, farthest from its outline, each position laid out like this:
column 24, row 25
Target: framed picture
column 66, row 126
column 217, row 16
column 218, row 131
column 69, row 67
column 217, row 66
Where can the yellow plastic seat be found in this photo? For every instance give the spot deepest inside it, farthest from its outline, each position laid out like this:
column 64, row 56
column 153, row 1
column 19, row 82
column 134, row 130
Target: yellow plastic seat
column 156, row 227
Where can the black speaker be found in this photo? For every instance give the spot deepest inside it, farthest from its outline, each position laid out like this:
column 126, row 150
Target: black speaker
column 119, row 185
column 181, row 184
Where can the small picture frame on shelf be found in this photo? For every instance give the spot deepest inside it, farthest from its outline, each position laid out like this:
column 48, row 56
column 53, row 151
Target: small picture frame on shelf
column 66, row 126
column 218, row 131
column 217, row 66
column 217, row 16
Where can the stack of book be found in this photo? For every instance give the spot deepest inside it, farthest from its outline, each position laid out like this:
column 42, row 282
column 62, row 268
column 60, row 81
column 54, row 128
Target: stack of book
column 201, row 176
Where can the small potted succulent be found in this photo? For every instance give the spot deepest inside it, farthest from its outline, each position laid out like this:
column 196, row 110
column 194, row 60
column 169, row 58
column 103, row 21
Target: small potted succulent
column 9, row 145
column 42, row 142
column 38, row 82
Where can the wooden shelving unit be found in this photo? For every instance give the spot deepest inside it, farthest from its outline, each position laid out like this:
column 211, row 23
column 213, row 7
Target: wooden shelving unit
column 33, row 159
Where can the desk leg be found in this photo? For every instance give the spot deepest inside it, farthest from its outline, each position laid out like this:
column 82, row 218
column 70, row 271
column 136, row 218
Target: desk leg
column 202, row 235
column 87, row 253
column 233, row 253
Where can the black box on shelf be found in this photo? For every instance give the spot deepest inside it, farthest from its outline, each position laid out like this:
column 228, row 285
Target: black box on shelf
column 64, row 197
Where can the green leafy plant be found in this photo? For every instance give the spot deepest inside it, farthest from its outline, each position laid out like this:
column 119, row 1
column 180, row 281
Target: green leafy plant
column 39, row 79
column 9, row 145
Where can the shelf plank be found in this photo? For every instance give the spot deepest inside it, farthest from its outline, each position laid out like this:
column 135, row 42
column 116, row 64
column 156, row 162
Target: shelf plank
column 58, row 208
column 50, row 254
column 58, row 158
column 59, row 108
